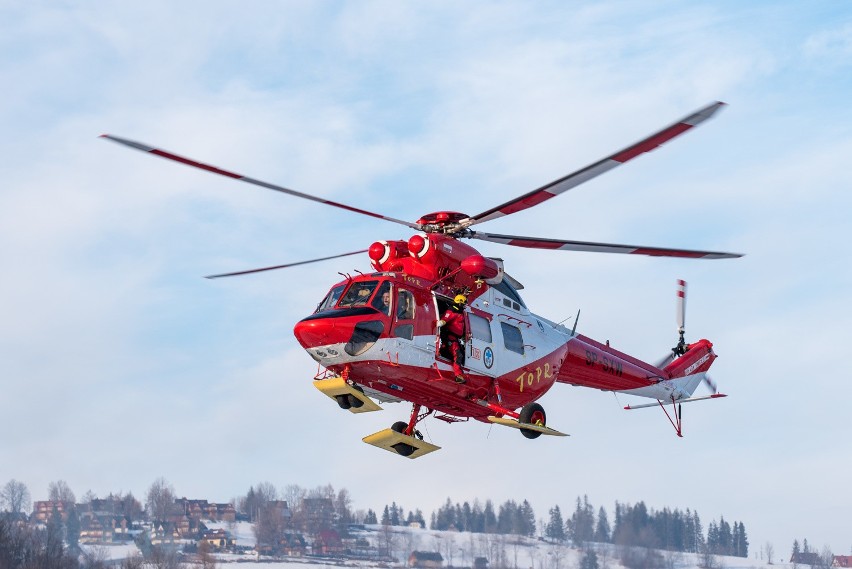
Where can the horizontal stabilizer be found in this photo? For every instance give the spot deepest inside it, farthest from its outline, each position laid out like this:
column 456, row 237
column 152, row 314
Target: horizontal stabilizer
column 690, row 400
column 527, row 426
column 399, row 443
column 337, row 386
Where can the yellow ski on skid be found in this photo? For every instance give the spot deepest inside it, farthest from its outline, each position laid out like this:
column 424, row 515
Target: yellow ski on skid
column 345, row 395
column 400, row 443
column 526, row 426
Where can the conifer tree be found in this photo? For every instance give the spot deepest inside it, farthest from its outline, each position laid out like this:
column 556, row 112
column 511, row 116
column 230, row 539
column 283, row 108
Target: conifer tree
column 489, row 518
column 602, row 531
column 526, row 519
column 555, row 528
column 370, row 518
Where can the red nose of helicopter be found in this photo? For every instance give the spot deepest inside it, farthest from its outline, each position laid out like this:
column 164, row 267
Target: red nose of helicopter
column 315, row 332
column 350, row 331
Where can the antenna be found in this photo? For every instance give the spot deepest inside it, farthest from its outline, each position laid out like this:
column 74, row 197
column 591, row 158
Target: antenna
column 577, row 319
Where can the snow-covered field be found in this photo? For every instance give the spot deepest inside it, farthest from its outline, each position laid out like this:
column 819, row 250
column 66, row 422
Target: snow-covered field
column 458, row 549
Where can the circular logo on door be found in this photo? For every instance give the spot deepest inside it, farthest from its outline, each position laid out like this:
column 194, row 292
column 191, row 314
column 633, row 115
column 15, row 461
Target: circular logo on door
column 488, row 358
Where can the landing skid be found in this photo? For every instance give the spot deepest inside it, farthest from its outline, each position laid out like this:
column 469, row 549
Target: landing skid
column 526, row 426
column 400, row 443
column 347, row 396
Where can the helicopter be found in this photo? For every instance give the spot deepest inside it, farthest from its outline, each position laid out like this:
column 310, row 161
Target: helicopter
column 382, row 337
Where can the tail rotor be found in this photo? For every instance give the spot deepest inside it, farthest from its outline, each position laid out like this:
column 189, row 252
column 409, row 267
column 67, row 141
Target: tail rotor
column 681, row 347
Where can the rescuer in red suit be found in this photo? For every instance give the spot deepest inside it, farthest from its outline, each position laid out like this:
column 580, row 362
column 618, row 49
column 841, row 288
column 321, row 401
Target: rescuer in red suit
column 452, row 324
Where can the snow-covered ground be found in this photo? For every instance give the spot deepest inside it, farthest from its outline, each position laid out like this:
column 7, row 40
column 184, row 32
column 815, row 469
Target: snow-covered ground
column 459, row 549
column 110, row 552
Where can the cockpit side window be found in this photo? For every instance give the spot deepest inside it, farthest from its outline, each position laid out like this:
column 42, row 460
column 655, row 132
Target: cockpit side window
column 404, row 305
column 507, row 289
column 359, row 294
column 330, row 299
column 382, row 302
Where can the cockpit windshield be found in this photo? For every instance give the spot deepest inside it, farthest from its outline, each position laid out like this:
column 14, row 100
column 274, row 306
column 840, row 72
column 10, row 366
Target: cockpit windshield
column 330, row 299
column 359, row 294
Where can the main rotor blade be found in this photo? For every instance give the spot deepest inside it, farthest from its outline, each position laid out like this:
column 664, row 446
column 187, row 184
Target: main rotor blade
column 262, row 184
column 250, row 271
column 563, row 245
column 574, row 179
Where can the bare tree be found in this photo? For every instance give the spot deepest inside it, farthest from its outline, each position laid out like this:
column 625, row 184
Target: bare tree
column 59, row 491
column 556, row 555
column 159, row 500
column 343, row 506
column 770, row 552
column 164, row 558
column 387, row 540
column 266, row 492
column 270, row 526
column 410, row 542
column 206, row 560
column 294, row 494
column 134, row 562
column 15, row 497
column 826, row 558
column 449, row 549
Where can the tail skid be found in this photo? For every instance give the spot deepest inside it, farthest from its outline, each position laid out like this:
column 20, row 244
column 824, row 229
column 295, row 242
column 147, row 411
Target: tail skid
column 676, row 416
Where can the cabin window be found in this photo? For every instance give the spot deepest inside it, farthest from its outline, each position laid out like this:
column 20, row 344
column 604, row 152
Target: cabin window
column 404, row 305
column 480, row 328
column 359, row 294
column 512, row 338
column 507, row 289
column 363, row 337
column 382, row 302
column 404, row 331
column 330, row 299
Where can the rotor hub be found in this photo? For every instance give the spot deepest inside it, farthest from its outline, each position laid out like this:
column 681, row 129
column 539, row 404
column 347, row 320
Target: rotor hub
column 447, row 222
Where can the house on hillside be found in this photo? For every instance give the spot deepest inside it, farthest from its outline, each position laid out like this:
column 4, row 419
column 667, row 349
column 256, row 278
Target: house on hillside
column 292, row 544
column 480, row 563
column 204, row 510
column 92, row 530
column 164, row 533
column 842, row 561
column 42, row 510
column 14, row 518
column 806, row 558
column 218, row 540
column 328, row 542
column 425, row 560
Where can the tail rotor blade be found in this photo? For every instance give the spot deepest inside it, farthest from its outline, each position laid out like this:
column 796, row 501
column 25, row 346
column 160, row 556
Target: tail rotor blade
column 665, row 360
column 711, row 384
column 681, row 305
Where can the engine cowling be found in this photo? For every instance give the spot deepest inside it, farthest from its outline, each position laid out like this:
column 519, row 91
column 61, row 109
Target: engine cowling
column 487, row 269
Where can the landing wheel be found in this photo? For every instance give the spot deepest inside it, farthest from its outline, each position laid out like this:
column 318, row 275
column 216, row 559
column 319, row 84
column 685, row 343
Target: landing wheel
column 532, row 413
column 354, row 401
column 402, row 449
column 343, row 401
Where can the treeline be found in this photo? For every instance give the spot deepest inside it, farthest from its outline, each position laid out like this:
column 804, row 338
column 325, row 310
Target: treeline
column 633, row 525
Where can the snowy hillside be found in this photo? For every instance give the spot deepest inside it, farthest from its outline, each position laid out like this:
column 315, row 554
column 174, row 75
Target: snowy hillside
column 459, row 549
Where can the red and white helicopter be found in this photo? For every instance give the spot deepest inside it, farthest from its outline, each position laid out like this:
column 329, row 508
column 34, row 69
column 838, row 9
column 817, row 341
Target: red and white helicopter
column 377, row 337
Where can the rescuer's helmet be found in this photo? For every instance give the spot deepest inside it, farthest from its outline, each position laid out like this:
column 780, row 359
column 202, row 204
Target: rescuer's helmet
column 460, row 299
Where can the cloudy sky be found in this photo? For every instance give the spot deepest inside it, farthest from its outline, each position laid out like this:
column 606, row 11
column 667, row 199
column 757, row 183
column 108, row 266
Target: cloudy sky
column 120, row 364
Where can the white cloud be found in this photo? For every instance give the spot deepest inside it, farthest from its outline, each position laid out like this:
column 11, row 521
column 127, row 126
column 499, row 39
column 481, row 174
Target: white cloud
column 137, row 364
